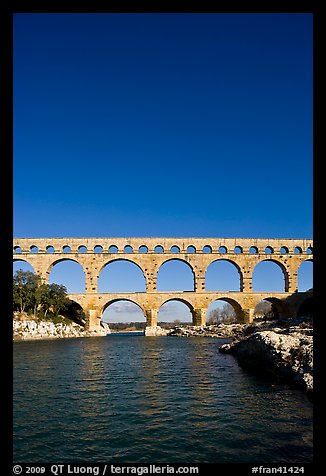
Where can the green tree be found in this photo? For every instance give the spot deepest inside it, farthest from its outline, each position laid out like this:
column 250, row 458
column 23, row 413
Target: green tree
column 53, row 298
column 31, row 296
column 25, row 284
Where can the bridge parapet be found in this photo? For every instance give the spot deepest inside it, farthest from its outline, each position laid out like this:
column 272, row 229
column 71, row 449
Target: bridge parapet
column 184, row 245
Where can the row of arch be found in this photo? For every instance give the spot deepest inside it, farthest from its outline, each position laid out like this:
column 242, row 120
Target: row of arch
column 122, row 275
column 160, row 249
column 176, row 309
column 180, row 309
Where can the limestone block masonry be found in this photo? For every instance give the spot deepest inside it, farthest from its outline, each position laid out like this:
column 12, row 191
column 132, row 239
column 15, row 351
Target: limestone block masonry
column 149, row 254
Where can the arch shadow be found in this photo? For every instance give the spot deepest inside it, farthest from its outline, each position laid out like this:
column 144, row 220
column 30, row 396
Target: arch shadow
column 280, row 309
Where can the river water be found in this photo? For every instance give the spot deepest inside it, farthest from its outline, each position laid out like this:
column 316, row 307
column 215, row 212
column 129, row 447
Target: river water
column 136, row 399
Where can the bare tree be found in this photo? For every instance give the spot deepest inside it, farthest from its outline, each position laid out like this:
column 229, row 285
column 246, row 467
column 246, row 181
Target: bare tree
column 263, row 308
column 219, row 315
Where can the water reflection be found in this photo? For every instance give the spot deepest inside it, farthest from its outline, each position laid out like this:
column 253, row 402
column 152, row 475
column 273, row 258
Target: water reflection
column 145, row 400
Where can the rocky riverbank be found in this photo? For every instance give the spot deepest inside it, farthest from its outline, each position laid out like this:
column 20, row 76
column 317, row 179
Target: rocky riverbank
column 283, row 348
column 26, row 328
column 220, row 330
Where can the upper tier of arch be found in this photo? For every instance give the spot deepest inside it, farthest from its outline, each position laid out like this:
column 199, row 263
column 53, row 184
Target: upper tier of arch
column 247, row 246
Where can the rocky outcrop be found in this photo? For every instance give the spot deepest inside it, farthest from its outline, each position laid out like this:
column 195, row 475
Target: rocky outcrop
column 284, row 352
column 220, row 330
column 106, row 327
column 155, row 331
column 29, row 329
column 283, row 348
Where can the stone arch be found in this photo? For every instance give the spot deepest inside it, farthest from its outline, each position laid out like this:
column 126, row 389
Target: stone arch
column 280, row 309
column 207, row 249
column 124, row 315
column 71, row 260
column 113, row 249
column 236, row 306
column 222, row 249
column 183, row 301
column 112, row 301
column 128, row 249
column 305, row 281
column 306, row 259
column 262, row 309
column 59, row 260
column 191, row 249
column 269, row 250
column 159, row 249
column 23, row 260
column 175, row 249
column 232, row 262
column 281, row 266
column 122, row 260
column 238, row 250
column 167, row 259
column 112, row 260
column 284, row 250
column 143, row 249
column 180, row 260
column 253, row 250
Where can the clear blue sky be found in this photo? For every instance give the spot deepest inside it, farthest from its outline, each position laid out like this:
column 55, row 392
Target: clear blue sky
column 163, row 125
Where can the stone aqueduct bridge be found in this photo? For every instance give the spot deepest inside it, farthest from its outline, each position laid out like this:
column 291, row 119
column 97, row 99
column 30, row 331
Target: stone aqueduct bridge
column 150, row 253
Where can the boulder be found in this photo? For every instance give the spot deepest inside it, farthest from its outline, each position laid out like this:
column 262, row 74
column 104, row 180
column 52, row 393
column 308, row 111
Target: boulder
column 153, row 331
column 286, row 355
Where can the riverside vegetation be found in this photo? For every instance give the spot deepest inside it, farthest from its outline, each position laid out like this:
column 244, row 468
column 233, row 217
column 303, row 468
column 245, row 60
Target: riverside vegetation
column 44, row 311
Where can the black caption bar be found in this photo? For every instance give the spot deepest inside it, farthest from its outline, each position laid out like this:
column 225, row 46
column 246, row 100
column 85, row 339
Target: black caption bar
column 102, row 469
